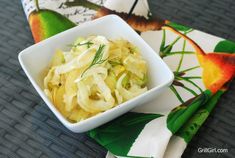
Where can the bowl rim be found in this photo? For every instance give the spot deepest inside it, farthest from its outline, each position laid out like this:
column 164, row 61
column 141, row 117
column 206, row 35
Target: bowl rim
column 52, row 107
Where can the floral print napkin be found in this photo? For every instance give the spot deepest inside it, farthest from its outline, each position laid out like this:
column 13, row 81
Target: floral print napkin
column 203, row 67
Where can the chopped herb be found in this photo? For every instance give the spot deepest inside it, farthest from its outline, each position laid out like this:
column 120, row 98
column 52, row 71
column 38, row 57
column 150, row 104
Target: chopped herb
column 89, row 43
column 131, row 50
column 114, row 63
column 97, row 58
column 126, row 82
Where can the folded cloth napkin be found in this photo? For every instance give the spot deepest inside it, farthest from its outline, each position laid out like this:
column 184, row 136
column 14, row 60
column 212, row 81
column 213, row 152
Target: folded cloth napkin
column 203, row 66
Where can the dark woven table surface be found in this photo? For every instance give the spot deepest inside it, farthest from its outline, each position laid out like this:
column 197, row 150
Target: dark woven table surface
column 27, row 127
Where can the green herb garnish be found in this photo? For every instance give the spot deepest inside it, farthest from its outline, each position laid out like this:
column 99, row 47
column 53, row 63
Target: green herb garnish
column 97, row 58
column 89, row 43
column 114, row 63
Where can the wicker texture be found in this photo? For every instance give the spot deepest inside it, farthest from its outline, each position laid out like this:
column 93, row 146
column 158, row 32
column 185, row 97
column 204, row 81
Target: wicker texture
column 27, row 127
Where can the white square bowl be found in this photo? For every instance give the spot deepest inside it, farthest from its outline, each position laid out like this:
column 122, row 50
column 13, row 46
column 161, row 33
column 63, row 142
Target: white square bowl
column 35, row 59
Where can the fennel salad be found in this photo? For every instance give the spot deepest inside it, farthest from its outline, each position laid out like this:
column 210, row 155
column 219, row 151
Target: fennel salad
column 97, row 74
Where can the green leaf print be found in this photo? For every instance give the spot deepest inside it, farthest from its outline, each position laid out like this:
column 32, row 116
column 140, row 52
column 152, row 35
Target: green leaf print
column 119, row 135
column 179, row 27
column 182, row 113
column 225, row 46
column 191, row 127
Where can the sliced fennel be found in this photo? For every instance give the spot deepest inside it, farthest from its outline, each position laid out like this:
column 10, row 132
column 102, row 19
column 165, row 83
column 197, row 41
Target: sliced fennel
column 97, row 74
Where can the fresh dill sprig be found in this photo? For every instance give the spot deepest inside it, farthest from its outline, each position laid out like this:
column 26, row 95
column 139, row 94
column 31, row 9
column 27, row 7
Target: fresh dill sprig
column 97, row 58
column 88, row 43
